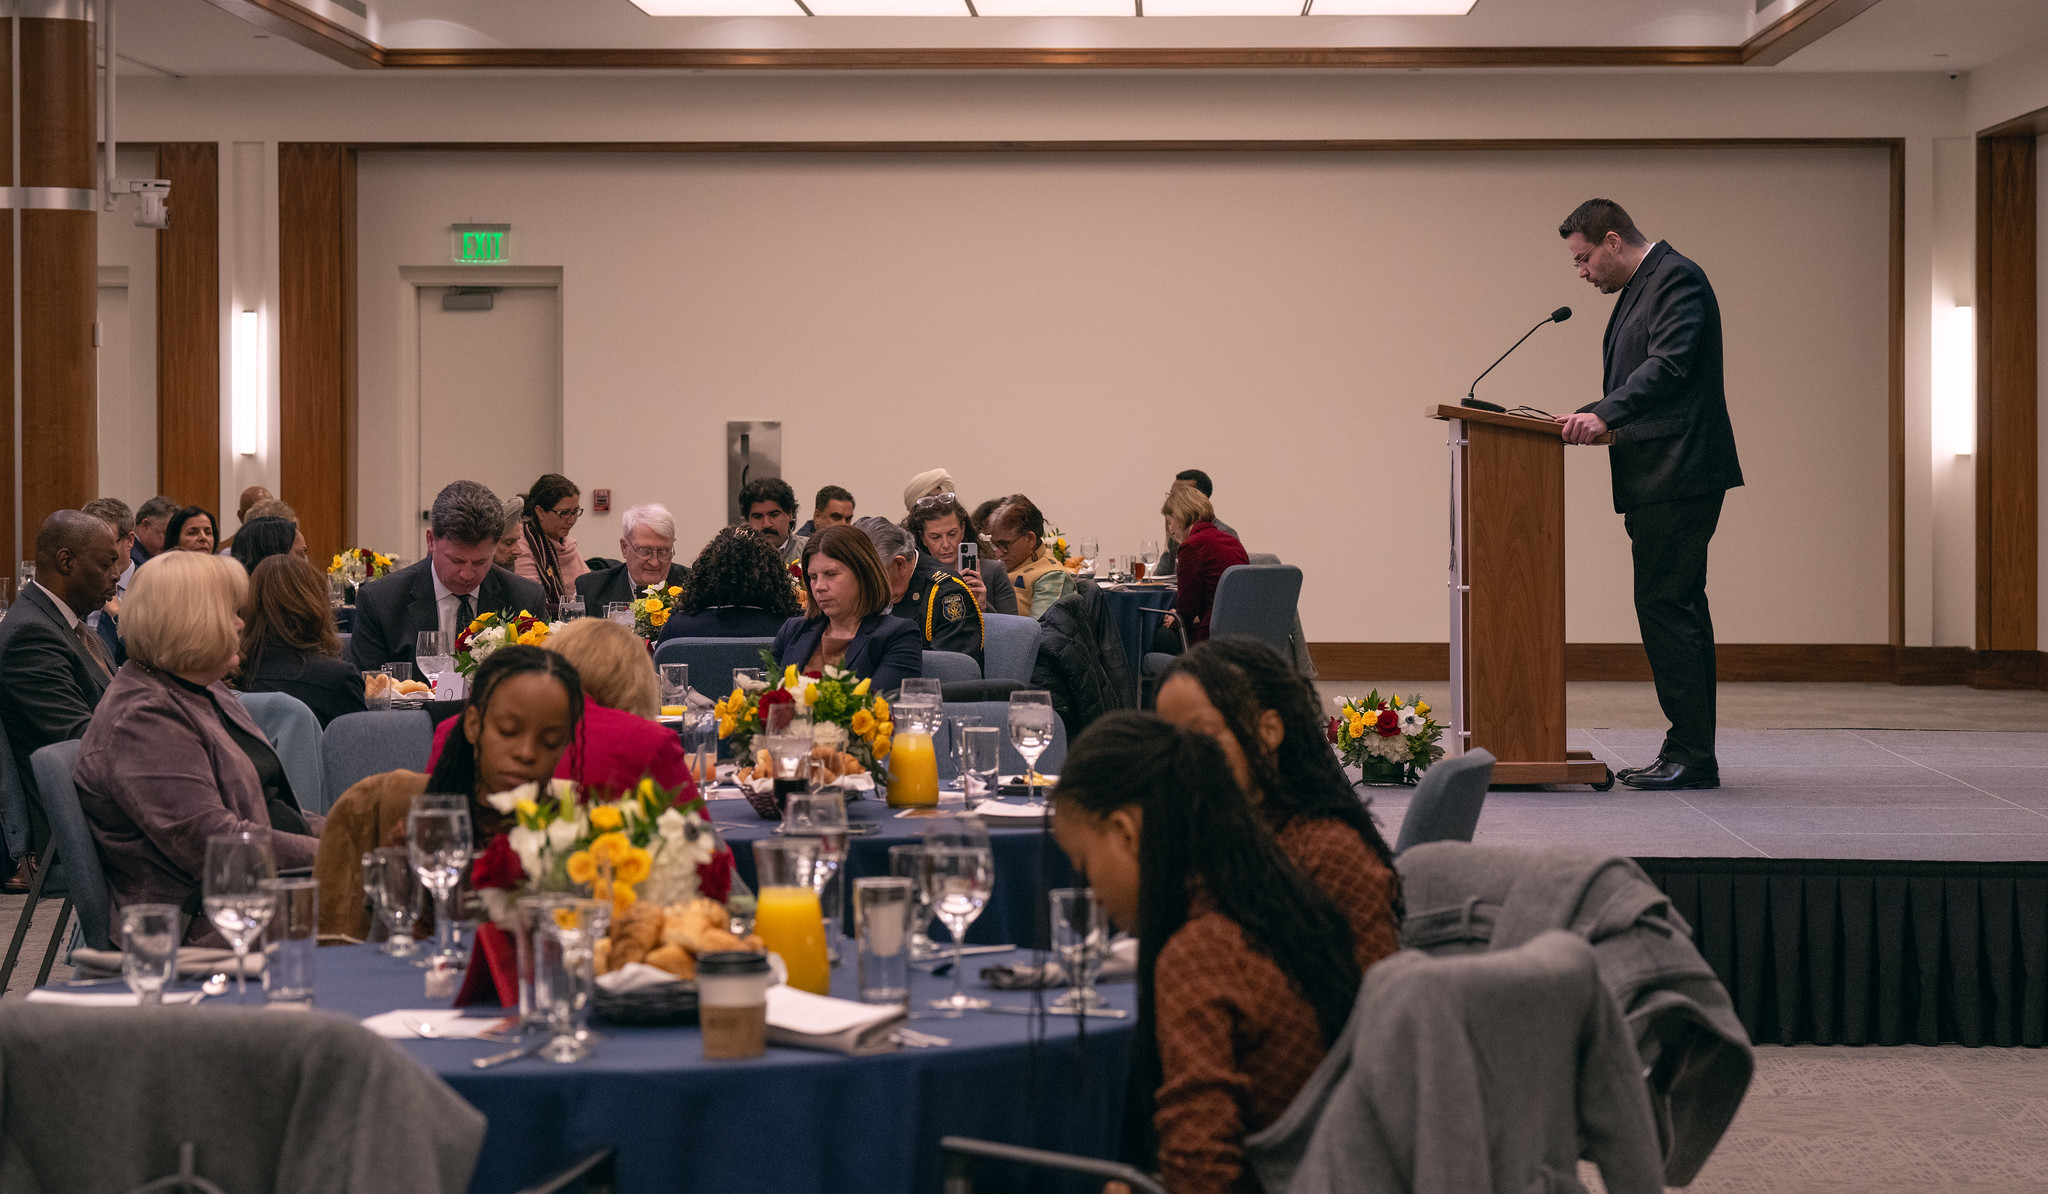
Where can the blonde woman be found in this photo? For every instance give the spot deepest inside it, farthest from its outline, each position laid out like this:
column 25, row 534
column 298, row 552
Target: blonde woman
column 172, row 758
column 1205, row 551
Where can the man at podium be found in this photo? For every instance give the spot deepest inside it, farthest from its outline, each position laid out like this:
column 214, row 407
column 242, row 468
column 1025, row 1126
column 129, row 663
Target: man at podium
column 1673, row 461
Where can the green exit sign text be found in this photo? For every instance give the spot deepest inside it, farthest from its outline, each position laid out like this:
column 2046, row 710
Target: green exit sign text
column 482, row 244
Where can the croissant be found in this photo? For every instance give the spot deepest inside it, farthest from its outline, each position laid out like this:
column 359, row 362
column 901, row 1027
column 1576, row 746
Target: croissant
column 686, row 924
column 718, row 940
column 674, row 959
column 640, row 925
column 601, row 955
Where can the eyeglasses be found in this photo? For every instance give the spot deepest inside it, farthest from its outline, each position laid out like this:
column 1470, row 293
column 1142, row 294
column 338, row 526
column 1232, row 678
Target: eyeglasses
column 1002, row 545
column 937, row 499
column 652, row 553
column 576, row 513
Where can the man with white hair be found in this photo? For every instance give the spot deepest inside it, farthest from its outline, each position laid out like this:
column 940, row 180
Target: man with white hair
column 921, row 592
column 648, row 545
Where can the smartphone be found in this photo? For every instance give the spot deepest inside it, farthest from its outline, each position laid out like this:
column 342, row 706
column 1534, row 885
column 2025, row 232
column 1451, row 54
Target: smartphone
column 970, row 554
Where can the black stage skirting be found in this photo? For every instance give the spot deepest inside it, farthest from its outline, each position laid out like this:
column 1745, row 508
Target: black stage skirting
column 1828, row 951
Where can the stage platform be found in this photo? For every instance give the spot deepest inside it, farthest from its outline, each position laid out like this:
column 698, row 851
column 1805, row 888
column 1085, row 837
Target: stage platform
column 1849, row 886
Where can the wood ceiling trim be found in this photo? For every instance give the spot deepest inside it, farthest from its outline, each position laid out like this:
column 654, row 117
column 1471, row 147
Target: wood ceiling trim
column 1768, row 47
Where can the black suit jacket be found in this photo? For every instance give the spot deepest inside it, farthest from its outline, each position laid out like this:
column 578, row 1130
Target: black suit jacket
column 887, row 650
column 329, row 686
column 599, row 589
column 390, row 613
column 48, row 688
column 1665, row 400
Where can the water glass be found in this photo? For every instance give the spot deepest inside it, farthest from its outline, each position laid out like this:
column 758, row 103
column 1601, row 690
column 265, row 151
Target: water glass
column 675, row 683
column 394, row 887
column 1032, row 721
column 980, row 757
column 751, row 679
column 700, row 742
column 571, row 607
column 956, row 729
column 959, row 880
column 620, row 612
column 882, row 908
column 290, row 941
column 565, row 937
column 437, row 839
column 822, row 817
column 231, row 890
column 149, row 949
column 434, row 653
column 1080, row 935
column 337, row 591
column 908, row 862
column 1089, row 548
column 399, row 672
column 1148, row 551
column 918, row 686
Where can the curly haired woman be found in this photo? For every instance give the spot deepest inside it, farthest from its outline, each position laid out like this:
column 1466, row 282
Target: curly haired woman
column 738, row 588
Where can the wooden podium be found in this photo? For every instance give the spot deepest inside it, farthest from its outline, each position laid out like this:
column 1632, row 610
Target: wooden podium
column 1507, row 597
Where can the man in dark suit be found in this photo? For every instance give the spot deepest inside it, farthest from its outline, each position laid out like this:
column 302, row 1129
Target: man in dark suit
column 1673, row 461
column 457, row 581
column 54, row 666
column 647, row 544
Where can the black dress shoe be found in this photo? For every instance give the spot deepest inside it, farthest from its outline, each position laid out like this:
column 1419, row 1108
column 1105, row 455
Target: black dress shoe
column 1667, row 776
column 18, row 883
column 1625, row 772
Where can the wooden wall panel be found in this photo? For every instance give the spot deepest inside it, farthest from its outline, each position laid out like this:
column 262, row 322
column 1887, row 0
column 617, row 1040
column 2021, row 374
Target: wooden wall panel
column 2007, row 383
column 316, row 188
column 12, row 550
column 188, row 325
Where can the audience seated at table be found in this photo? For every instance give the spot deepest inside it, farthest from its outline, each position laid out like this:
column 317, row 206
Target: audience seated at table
column 1205, row 551
column 546, row 554
column 1267, row 720
column 738, row 587
column 647, row 551
column 939, row 524
column 923, row 594
column 1200, row 480
column 849, row 624
column 522, row 714
column 190, row 529
column 261, row 538
column 172, row 758
column 289, row 642
column 1017, row 531
column 617, row 743
column 55, row 669
column 769, row 506
column 832, row 506
column 1245, row 975
column 455, row 583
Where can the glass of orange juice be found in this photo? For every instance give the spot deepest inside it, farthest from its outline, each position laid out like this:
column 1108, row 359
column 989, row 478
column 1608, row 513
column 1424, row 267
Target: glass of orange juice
column 787, row 914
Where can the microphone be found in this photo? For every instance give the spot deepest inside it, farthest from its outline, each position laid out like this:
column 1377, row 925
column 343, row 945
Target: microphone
column 1557, row 316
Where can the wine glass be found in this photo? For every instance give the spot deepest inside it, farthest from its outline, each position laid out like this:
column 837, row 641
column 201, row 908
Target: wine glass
column 1088, row 549
column 565, row 938
column 437, row 839
column 959, row 880
column 149, row 949
column 908, row 862
column 1148, row 551
column 232, row 891
column 1031, row 729
column 1080, row 934
column 435, row 653
column 395, row 887
column 821, row 816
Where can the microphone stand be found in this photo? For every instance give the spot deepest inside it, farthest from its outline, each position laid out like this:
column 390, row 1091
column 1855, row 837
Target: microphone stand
column 1472, row 401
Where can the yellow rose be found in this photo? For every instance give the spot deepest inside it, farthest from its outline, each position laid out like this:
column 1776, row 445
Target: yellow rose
column 861, row 689
column 1357, row 727
column 789, row 675
column 885, row 729
column 881, row 747
column 863, row 723
column 881, row 708
column 1397, row 703
column 635, row 866
column 605, row 817
column 609, row 848
column 582, row 867
column 726, row 725
column 623, row 897
column 675, row 590
column 1422, row 708
column 658, row 618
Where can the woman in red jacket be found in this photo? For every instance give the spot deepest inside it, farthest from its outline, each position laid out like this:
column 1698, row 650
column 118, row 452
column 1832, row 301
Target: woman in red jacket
column 1205, row 551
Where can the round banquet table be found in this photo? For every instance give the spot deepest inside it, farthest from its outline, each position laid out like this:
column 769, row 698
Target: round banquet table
column 1028, row 863
column 1135, row 626
column 791, row 1121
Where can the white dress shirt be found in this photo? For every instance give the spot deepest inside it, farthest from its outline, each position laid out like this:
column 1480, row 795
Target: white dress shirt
column 446, row 602
column 70, row 619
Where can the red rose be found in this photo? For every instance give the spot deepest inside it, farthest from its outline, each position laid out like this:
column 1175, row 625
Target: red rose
column 1389, row 723
column 498, row 867
column 1333, row 730
column 772, row 698
column 714, row 878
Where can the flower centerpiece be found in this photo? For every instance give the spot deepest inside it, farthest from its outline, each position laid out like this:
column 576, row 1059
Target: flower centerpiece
column 651, row 609
column 1061, row 554
column 358, row 565
column 834, row 697
column 487, row 632
column 648, row 843
column 1389, row 740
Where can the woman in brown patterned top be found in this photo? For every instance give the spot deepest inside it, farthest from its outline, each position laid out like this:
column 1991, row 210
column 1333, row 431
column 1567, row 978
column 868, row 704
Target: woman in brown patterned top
column 1245, row 972
column 1264, row 716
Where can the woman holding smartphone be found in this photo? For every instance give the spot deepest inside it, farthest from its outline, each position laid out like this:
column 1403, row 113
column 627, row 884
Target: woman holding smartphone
column 944, row 531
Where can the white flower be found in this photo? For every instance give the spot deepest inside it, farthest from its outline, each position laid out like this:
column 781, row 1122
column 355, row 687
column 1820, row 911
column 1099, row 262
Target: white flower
column 528, row 843
column 562, row 789
column 1411, row 721
column 672, row 825
column 504, row 801
column 563, row 834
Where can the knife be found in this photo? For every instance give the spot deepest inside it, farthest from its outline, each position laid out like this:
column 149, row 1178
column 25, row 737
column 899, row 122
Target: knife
column 509, row 1055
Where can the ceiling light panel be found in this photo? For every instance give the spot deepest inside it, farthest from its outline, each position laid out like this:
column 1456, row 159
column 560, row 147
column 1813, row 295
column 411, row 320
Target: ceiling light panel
column 1390, row 8
column 1222, row 8
column 1056, row 8
column 720, row 8
column 888, row 8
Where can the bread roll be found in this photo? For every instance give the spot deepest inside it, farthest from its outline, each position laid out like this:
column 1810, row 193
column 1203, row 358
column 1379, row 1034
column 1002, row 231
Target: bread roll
column 674, row 959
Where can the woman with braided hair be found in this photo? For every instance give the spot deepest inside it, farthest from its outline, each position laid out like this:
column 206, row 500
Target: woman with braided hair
column 1264, row 716
column 546, row 553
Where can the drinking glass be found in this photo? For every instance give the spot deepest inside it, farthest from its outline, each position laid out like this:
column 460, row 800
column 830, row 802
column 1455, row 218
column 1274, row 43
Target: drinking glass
column 913, row 760
column 956, row 741
column 232, row 892
column 700, row 742
column 399, row 672
column 752, row 679
column 1080, row 935
column 882, row 907
column 437, row 839
column 960, row 879
column 787, row 915
column 1148, row 551
column 620, row 612
column 149, row 949
column 376, row 691
column 24, row 573
column 291, row 941
column 434, row 653
column 565, row 938
column 1089, row 548
column 337, row 590
column 571, row 607
column 980, row 757
column 821, row 816
column 918, row 686
column 1031, row 729
column 395, row 887
column 908, row 862
column 675, row 683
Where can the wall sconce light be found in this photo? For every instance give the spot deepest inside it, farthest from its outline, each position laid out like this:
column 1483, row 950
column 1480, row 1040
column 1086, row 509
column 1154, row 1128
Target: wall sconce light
column 1955, row 379
column 250, row 376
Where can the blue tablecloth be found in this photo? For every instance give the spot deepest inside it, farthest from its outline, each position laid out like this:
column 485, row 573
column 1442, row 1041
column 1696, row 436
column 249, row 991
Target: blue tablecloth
column 1028, row 864
column 1135, row 626
column 790, row 1122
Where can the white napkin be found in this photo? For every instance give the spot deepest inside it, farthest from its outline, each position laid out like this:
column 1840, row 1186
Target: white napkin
column 105, row 998
column 802, row 1020
column 1006, row 811
column 448, row 1023
column 635, row 976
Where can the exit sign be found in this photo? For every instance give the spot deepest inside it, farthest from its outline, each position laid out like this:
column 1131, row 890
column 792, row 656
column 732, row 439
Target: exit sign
column 482, row 244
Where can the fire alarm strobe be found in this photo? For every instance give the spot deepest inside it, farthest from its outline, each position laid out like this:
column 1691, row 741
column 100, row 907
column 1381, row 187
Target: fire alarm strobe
column 601, row 501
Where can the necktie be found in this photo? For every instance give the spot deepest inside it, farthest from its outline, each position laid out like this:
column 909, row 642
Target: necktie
column 465, row 613
column 96, row 651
